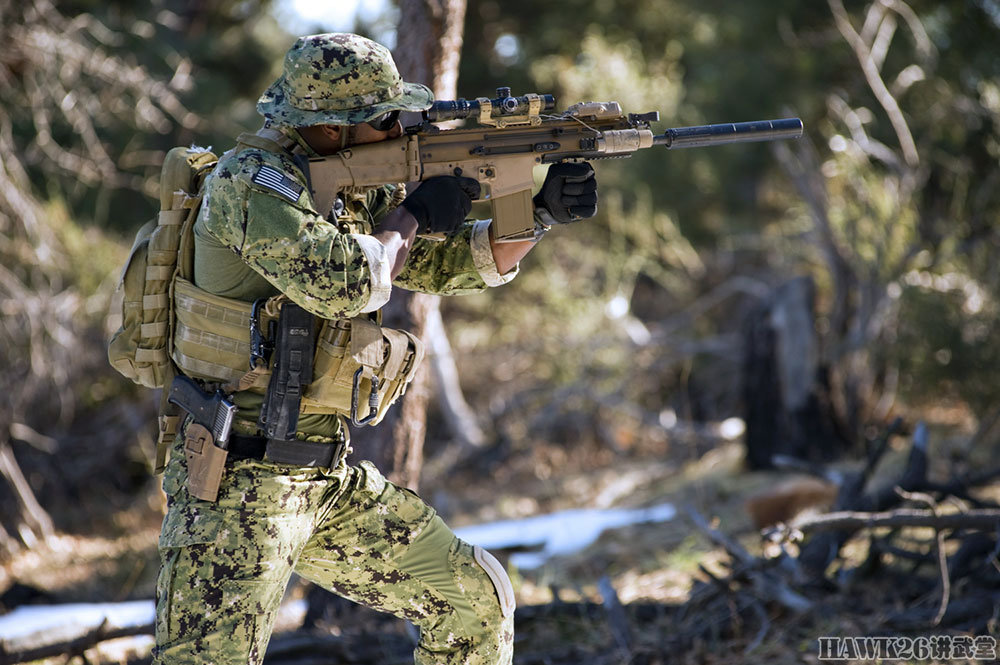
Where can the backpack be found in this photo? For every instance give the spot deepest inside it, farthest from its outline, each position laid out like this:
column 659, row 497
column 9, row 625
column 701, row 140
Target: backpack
column 162, row 250
column 139, row 348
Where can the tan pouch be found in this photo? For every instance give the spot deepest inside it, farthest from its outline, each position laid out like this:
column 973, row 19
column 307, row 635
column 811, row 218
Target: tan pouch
column 211, row 341
column 205, row 462
column 346, row 348
column 212, row 335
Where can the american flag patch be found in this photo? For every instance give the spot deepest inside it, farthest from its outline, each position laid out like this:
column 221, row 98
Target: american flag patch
column 279, row 182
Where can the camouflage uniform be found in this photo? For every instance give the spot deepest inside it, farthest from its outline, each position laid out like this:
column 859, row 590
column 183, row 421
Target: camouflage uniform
column 225, row 564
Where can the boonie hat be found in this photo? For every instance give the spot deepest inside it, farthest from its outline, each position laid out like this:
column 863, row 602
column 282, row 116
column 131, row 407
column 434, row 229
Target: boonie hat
column 338, row 79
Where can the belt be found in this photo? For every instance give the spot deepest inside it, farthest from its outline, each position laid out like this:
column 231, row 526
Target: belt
column 294, row 453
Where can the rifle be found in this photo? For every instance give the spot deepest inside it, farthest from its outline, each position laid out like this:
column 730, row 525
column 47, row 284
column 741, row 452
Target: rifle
column 507, row 138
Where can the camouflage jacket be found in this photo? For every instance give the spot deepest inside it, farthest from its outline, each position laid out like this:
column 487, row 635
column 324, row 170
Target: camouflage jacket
column 258, row 234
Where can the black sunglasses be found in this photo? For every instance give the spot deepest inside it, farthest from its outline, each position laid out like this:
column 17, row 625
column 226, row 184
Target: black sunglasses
column 384, row 122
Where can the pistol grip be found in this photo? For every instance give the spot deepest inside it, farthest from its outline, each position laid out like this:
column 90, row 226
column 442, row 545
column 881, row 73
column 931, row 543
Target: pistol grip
column 513, row 217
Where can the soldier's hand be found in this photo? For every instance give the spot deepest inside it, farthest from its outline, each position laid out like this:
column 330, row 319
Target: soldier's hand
column 569, row 192
column 441, row 204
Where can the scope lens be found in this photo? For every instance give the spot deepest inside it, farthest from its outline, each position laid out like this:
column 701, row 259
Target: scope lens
column 384, row 122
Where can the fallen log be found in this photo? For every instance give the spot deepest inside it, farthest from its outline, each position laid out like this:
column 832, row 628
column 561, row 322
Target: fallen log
column 70, row 647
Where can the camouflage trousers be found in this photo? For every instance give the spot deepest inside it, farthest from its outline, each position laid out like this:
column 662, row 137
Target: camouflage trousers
column 225, row 565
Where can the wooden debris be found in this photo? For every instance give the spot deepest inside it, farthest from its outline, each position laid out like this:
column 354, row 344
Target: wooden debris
column 71, row 647
column 617, row 620
column 902, row 517
column 35, row 521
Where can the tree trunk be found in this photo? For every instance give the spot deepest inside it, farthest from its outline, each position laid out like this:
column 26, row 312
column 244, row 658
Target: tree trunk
column 787, row 409
column 459, row 416
column 428, row 48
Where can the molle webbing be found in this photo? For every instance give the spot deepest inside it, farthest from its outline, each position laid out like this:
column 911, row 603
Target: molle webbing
column 211, row 335
column 269, row 140
column 212, row 342
column 140, row 349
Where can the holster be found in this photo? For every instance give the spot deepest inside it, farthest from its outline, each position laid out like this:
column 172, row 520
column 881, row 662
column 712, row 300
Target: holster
column 292, row 372
column 205, row 460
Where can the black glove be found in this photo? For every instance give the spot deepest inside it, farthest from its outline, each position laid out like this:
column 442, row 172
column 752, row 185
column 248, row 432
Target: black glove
column 569, row 192
column 440, row 204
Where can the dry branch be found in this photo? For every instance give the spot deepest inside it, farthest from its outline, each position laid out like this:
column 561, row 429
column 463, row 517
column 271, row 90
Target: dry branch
column 974, row 610
column 852, row 521
column 767, row 585
column 617, row 620
column 734, row 549
column 460, row 417
column 939, row 551
column 34, row 516
column 817, row 554
column 70, row 647
column 874, row 77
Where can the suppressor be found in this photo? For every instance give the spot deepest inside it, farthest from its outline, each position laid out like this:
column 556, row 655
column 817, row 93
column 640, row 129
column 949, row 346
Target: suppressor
column 730, row 132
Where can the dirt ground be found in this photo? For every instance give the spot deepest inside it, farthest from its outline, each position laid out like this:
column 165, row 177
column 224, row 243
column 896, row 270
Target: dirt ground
column 653, row 568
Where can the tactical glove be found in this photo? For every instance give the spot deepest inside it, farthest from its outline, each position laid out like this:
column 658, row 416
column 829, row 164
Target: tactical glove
column 440, row 204
column 569, row 193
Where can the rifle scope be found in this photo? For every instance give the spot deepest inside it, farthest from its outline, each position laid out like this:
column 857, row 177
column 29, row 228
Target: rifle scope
column 503, row 104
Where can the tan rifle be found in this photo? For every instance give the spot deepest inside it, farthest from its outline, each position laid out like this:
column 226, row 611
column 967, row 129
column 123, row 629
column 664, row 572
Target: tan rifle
column 507, row 138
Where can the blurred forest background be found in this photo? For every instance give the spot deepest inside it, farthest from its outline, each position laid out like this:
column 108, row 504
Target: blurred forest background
column 727, row 304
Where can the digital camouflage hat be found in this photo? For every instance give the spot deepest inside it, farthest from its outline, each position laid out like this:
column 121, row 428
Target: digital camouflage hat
column 338, row 79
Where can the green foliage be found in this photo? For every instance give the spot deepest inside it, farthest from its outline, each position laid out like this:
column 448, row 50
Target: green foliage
column 674, row 229
column 947, row 346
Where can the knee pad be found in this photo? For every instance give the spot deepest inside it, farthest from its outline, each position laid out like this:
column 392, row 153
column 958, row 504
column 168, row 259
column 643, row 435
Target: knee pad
column 470, row 579
column 498, row 575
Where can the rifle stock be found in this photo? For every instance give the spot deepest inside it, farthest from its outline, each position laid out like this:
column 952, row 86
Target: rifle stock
column 502, row 150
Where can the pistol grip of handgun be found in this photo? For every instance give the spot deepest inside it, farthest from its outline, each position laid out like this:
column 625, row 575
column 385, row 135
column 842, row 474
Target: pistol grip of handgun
column 188, row 395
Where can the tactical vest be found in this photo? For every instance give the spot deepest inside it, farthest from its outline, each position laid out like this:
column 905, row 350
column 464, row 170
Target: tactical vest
column 211, row 341
column 359, row 367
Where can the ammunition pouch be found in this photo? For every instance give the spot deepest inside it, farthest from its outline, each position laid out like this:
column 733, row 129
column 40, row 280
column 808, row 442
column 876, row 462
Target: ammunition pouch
column 360, row 361
column 355, row 361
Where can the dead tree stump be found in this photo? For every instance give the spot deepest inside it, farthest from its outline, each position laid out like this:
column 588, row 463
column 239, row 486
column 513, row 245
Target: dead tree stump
column 784, row 386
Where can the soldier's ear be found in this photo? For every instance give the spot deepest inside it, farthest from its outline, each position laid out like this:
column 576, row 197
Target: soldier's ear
column 332, row 132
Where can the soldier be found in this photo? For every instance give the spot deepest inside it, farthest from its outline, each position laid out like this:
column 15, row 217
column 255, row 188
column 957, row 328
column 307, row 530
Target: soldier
column 296, row 505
